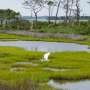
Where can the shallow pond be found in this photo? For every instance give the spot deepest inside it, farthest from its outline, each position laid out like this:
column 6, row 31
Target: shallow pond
column 46, row 46
column 80, row 85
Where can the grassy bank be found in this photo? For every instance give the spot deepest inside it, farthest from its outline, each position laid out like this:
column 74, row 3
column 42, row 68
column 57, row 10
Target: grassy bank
column 77, row 66
column 13, row 37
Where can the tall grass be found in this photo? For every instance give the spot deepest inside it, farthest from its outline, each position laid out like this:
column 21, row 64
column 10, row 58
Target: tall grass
column 77, row 66
column 81, row 28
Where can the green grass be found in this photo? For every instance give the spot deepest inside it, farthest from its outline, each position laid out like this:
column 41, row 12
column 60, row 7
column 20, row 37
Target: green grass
column 78, row 64
column 69, row 28
column 9, row 56
column 13, row 37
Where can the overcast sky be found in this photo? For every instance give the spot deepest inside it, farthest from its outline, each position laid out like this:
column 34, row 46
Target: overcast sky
column 17, row 6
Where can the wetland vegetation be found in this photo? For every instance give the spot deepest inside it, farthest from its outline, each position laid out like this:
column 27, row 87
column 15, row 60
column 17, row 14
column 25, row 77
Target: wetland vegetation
column 77, row 63
column 21, row 69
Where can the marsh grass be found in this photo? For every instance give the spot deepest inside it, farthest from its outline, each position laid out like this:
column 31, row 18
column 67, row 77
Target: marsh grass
column 77, row 62
column 24, row 85
column 13, row 37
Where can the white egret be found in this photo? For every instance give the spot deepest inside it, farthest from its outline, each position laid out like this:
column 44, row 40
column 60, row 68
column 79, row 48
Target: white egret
column 45, row 57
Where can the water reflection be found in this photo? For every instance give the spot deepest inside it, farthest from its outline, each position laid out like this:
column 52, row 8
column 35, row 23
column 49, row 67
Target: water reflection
column 46, row 46
column 81, row 85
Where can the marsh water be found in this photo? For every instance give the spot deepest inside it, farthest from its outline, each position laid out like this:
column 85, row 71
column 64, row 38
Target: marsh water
column 80, row 85
column 45, row 46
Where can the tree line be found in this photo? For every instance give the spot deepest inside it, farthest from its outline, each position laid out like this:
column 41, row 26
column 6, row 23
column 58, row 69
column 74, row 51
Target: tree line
column 10, row 19
column 8, row 14
column 71, row 8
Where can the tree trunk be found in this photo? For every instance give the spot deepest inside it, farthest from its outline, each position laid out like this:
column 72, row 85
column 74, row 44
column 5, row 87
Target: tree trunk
column 35, row 20
column 77, row 11
column 49, row 15
column 67, row 10
column 70, row 11
column 57, row 12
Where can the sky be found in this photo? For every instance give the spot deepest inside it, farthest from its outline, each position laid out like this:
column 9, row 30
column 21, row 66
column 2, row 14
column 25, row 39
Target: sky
column 17, row 6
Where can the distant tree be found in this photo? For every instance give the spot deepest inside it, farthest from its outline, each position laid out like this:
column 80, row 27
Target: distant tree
column 77, row 10
column 72, row 10
column 35, row 6
column 66, row 8
column 58, row 6
column 8, row 13
column 8, row 16
column 50, row 4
